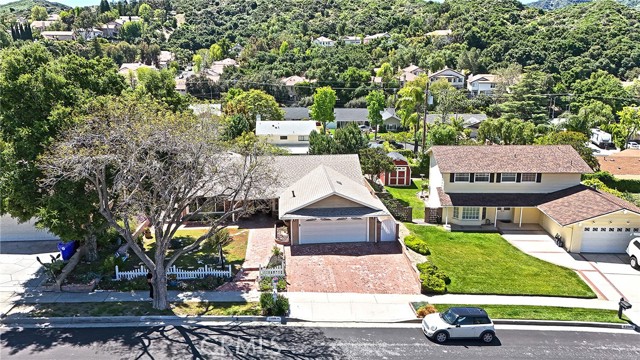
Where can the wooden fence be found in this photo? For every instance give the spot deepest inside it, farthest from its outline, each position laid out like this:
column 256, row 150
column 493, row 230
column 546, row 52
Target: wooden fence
column 179, row 273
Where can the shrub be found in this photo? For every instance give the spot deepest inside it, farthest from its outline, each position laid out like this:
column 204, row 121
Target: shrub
column 430, row 269
column 417, row 245
column 426, row 310
column 108, row 266
column 432, row 285
column 279, row 307
column 266, row 284
column 275, row 250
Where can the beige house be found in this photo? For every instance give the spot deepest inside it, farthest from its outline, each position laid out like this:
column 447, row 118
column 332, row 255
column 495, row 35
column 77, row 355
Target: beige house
column 481, row 84
column 290, row 135
column 490, row 186
column 59, row 35
column 455, row 78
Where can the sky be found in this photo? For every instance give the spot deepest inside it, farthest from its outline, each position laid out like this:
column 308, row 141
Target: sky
column 74, row 3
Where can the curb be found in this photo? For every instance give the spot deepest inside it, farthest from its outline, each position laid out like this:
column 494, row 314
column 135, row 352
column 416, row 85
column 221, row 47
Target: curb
column 134, row 319
column 550, row 323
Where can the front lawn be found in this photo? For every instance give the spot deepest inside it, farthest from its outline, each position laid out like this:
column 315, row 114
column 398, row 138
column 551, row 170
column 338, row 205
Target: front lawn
column 528, row 312
column 408, row 195
column 485, row 263
column 131, row 308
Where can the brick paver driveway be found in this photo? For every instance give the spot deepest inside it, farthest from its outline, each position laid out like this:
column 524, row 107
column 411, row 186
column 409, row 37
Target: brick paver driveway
column 353, row 268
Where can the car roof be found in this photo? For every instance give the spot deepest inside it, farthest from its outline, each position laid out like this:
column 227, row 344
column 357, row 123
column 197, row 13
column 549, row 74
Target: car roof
column 468, row 311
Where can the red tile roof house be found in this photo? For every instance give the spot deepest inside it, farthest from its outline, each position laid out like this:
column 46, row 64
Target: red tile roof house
column 527, row 184
column 401, row 175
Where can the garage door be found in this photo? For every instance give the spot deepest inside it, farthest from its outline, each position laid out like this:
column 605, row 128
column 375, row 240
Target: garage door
column 599, row 239
column 333, row 231
column 11, row 230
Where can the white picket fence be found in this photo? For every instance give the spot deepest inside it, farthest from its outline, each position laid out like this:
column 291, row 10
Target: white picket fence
column 271, row 272
column 179, row 273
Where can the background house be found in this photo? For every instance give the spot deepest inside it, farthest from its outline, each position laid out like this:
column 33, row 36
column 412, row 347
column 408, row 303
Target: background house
column 369, row 38
column 290, row 135
column 410, row 73
column 352, row 40
column 623, row 165
column 59, row 35
column 455, row 78
column 324, row 41
column 538, row 185
column 401, row 175
column 481, row 84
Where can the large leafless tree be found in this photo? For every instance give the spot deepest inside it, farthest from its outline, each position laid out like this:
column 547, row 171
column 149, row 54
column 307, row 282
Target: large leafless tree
column 143, row 159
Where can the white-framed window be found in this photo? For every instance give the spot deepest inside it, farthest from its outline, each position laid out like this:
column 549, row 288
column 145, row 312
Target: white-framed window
column 470, row 213
column 456, row 213
column 461, row 177
column 508, row 177
column 283, row 137
column 481, row 177
column 529, row 177
column 303, row 137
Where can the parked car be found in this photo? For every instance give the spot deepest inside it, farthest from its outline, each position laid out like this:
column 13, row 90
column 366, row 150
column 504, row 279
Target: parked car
column 457, row 323
column 395, row 145
column 633, row 250
column 365, row 128
column 633, row 145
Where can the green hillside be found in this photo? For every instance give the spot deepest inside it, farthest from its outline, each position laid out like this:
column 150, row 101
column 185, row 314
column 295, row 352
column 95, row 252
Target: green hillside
column 557, row 4
column 23, row 7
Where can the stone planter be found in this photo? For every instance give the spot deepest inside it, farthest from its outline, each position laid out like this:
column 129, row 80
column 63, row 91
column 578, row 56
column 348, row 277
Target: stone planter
column 75, row 288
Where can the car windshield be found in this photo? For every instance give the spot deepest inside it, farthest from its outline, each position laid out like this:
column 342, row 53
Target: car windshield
column 449, row 317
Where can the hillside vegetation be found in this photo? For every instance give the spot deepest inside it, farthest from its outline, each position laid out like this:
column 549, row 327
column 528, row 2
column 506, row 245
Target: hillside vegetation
column 23, row 7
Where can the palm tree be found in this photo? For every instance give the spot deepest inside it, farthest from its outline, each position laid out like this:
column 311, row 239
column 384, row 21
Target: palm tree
column 410, row 97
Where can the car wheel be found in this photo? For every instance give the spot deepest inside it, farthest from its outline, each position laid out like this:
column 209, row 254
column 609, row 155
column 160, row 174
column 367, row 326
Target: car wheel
column 441, row 337
column 634, row 262
column 487, row 337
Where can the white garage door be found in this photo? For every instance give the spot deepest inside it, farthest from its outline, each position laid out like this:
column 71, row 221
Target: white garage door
column 333, row 231
column 11, row 230
column 604, row 239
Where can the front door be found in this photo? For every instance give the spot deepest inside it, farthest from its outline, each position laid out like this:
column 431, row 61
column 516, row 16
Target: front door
column 504, row 213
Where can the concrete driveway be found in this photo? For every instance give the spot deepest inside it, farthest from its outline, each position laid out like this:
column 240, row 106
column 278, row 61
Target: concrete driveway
column 19, row 269
column 362, row 268
column 609, row 275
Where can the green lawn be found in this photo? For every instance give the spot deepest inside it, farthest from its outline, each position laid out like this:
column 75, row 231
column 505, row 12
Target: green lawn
column 136, row 309
column 409, row 196
column 480, row 263
column 540, row 312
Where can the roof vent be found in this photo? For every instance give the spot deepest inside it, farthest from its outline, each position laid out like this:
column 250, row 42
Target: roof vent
column 339, row 183
column 293, row 193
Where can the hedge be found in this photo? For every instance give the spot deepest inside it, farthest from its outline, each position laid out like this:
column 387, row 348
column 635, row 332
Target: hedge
column 432, row 280
column 417, row 245
column 622, row 185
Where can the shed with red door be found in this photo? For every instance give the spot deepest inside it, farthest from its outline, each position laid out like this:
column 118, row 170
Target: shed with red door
column 401, row 175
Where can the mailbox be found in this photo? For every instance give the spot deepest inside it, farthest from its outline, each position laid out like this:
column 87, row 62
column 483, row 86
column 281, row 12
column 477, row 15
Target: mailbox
column 623, row 305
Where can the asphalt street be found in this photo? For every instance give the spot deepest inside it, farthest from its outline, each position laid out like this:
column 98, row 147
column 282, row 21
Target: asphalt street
column 291, row 342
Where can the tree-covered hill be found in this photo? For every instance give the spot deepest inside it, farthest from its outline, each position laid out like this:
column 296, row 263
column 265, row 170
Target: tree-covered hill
column 557, row 4
column 23, row 7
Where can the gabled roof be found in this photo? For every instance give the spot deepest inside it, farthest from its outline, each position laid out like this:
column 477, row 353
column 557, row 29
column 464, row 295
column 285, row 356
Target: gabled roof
column 389, row 113
column 323, row 39
column 446, row 69
column 397, row 156
column 509, row 158
column 580, row 203
column 295, row 79
column 285, row 127
column 350, row 37
column 226, row 62
column 488, row 78
column 321, row 183
column 375, row 36
column 411, row 68
column 439, row 33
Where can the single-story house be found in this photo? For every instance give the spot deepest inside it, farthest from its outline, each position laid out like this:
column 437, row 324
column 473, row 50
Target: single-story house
column 324, row 41
column 343, row 116
column 369, row 38
column 59, row 35
column 290, row 135
column 401, row 175
column 390, row 120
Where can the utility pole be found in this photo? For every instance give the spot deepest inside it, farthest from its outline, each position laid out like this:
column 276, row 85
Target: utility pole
column 424, row 121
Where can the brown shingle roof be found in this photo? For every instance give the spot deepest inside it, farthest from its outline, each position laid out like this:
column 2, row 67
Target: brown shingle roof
column 568, row 206
column 510, row 158
column 579, row 203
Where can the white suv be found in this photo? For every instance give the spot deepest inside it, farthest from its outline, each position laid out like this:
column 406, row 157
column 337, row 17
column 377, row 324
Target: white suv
column 459, row 322
column 634, row 252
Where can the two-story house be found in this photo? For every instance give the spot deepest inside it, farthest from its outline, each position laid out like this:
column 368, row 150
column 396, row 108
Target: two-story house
column 455, row 78
column 324, row 41
column 290, row 135
column 481, row 84
column 495, row 185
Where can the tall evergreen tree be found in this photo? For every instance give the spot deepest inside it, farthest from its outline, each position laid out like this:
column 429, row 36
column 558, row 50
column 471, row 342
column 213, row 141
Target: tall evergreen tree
column 14, row 35
column 29, row 35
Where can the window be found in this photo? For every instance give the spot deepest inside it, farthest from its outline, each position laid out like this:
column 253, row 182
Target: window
column 456, row 213
column 508, row 177
column 283, row 137
column 461, row 177
column 482, row 177
column 464, row 321
column 587, row 229
column 637, row 244
column 481, row 320
column 529, row 177
column 303, row 138
column 470, row 213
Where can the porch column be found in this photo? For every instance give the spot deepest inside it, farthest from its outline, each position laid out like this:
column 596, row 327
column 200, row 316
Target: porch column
column 446, row 216
column 520, row 223
column 495, row 218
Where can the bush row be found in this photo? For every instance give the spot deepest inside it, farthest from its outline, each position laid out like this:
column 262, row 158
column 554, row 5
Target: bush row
column 433, row 281
column 417, row 245
column 279, row 307
column 622, row 185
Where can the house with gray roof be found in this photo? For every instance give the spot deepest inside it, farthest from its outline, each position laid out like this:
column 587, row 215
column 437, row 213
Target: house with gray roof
column 343, row 116
column 506, row 186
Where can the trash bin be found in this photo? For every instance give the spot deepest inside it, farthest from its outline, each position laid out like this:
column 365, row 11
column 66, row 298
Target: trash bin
column 67, row 250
